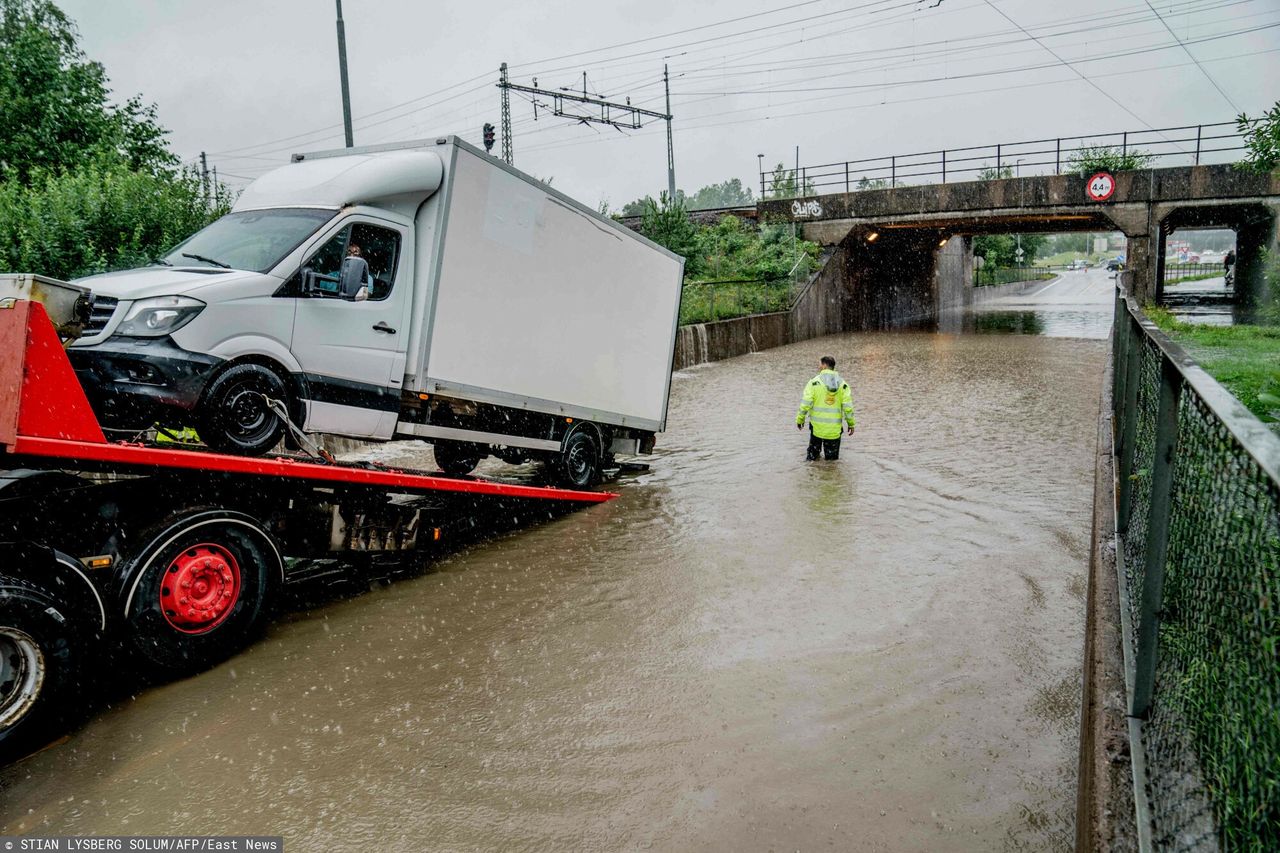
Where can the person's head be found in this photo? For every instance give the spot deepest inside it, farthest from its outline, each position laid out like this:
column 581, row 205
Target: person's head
column 353, row 251
column 828, row 363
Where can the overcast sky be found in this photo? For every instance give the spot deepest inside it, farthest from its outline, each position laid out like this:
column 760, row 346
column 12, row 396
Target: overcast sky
column 251, row 82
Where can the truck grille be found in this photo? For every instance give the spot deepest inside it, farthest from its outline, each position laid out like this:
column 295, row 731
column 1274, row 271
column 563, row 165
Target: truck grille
column 100, row 315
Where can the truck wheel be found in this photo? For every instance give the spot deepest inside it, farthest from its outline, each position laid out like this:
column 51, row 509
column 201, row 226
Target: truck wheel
column 199, row 591
column 233, row 416
column 457, row 457
column 579, row 462
column 42, row 651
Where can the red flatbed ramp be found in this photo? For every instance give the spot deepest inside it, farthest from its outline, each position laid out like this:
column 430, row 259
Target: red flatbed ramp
column 44, row 415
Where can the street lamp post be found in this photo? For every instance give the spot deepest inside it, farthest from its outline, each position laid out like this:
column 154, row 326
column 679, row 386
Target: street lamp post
column 760, row 169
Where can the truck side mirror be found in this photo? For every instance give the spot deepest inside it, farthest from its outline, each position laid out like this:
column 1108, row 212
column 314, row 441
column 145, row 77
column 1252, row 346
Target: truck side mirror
column 308, row 281
column 352, row 278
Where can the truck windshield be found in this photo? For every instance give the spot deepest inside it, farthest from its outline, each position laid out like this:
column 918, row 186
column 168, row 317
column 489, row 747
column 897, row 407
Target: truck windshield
column 250, row 240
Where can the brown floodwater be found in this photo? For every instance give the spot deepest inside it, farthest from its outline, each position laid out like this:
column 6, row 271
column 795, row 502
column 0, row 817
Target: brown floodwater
column 743, row 652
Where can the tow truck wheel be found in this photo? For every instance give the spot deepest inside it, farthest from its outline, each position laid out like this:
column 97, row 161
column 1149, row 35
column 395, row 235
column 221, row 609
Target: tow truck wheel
column 457, row 457
column 42, row 651
column 579, row 462
column 199, row 591
column 233, row 416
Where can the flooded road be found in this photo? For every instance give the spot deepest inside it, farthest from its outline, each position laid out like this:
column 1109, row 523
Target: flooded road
column 743, row 652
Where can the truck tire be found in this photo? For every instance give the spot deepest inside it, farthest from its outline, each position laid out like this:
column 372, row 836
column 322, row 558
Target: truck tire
column 200, row 589
column 579, row 463
column 233, row 417
column 457, row 457
column 44, row 645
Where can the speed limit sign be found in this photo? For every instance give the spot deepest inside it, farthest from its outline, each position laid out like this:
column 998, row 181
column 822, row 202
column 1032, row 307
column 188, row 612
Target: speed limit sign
column 1101, row 186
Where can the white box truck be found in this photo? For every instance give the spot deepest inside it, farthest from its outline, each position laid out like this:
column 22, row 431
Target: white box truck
column 414, row 290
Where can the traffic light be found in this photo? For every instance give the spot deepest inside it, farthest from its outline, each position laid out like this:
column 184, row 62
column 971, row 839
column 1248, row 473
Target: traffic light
column 488, row 137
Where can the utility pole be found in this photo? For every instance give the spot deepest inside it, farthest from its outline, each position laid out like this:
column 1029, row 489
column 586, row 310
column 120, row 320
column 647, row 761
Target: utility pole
column 507, row 153
column 628, row 117
column 671, row 151
column 342, row 70
column 204, row 177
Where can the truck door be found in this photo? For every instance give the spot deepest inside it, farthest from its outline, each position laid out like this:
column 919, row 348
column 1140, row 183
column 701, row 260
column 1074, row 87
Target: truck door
column 352, row 351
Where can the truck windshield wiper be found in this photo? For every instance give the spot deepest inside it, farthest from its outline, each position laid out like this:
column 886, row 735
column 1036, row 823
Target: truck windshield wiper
column 206, row 260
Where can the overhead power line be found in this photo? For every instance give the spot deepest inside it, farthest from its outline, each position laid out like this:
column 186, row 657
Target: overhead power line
column 1192, row 57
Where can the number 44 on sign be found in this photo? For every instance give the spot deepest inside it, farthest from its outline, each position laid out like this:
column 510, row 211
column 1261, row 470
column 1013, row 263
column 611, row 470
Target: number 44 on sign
column 1101, row 186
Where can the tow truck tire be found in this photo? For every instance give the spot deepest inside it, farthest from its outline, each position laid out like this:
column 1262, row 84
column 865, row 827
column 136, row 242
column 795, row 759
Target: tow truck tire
column 233, row 417
column 201, row 589
column 43, row 648
column 579, row 463
column 457, row 457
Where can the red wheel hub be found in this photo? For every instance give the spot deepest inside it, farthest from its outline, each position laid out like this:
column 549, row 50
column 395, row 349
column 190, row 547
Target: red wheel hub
column 200, row 588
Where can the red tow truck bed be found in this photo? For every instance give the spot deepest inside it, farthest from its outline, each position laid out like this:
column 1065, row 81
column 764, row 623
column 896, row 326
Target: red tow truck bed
column 45, row 419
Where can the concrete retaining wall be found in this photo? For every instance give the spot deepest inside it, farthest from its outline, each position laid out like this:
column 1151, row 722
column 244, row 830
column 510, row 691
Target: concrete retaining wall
column 820, row 310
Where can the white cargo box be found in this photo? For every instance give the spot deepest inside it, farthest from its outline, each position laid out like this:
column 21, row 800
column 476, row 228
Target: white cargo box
column 540, row 302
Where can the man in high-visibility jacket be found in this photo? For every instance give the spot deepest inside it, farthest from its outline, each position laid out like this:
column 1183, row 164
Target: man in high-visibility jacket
column 827, row 404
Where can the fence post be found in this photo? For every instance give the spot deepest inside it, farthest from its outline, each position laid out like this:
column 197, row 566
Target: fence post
column 1057, row 157
column 1124, row 144
column 944, row 166
column 713, row 302
column 997, row 161
column 762, row 185
column 1128, row 425
column 893, row 172
column 1166, row 447
column 846, row 176
column 804, row 182
column 1199, row 128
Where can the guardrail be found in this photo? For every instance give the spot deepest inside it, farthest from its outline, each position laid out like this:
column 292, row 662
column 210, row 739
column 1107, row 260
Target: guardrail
column 1198, row 558
column 1170, row 146
column 989, row 275
column 1181, row 272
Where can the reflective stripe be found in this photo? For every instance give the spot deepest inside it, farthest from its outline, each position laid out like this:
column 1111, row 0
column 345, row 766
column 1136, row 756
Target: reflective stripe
column 825, row 409
column 824, row 420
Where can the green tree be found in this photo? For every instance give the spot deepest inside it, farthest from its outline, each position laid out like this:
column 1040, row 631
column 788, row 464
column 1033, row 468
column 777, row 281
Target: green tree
column 730, row 193
column 54, row 103
column 100, row 217
column 1261, row 139
column 85, row 186
column 1001, row 250
column 783, row 184
column 865, row 183
column 1105, row 158
column 666, row 222
column 994, row 173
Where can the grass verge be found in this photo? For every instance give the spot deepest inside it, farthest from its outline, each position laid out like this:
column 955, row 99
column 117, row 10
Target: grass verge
column 1245, row 359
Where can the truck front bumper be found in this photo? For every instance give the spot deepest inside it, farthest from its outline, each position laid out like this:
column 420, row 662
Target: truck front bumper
column 133, row 382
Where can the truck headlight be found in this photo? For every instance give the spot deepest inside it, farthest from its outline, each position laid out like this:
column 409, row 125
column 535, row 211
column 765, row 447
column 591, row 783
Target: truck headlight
column 159, row 316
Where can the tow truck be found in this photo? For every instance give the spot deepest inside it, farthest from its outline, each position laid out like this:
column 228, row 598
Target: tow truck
column 169, row 559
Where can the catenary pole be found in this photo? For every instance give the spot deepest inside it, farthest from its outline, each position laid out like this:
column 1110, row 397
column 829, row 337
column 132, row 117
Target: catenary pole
column 342, row 70
column 671, row 151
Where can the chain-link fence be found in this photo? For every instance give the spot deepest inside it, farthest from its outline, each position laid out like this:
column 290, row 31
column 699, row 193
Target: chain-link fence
column 1198, row 513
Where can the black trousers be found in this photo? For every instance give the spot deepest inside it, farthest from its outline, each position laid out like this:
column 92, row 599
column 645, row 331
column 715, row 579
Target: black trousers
column 828, row 447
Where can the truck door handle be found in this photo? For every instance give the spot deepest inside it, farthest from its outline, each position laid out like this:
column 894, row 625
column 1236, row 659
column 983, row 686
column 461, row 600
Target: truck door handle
column 383, row 327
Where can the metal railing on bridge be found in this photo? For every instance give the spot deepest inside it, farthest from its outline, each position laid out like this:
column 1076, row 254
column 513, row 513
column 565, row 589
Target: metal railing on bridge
column 1189, row 145
column 1198, row 558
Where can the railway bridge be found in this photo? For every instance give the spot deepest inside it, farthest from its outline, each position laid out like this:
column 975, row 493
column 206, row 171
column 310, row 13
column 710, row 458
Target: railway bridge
column 906, row 251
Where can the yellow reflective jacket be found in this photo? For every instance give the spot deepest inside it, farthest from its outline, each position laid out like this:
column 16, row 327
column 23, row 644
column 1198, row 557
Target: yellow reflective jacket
column 827, row 404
